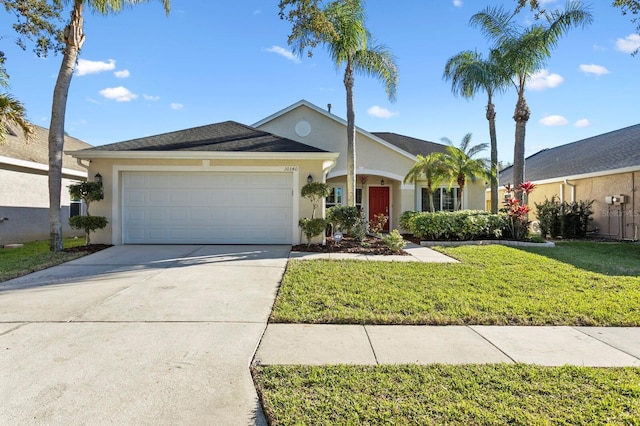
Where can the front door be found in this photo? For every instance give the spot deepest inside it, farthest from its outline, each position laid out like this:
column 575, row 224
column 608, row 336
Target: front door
column 379, row 203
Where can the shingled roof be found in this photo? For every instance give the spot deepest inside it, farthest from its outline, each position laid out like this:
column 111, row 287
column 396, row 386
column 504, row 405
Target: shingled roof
column 411, row 145
column 36, row 149
column 611, row 151
column 227, row 136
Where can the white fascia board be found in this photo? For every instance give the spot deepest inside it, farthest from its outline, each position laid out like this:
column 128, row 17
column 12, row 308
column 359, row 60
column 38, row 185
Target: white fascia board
column 558, row 179
column 38, row 166
column 336, row 119
column 201, row 155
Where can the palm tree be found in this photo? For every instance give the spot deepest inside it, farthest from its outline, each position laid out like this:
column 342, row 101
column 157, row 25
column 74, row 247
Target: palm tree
column 524, row 51
column 469, row 72
column 350, row 44
column 73, row 39
column 461, row 165
column 12, row 111
column 432, row 169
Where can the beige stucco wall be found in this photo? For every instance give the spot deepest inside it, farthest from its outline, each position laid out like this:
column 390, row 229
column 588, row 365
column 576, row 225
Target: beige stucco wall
column 108, row 169
column 618, row 221
column 24, row 200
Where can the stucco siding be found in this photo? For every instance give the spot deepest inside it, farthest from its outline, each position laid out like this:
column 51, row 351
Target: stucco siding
column 24, row 200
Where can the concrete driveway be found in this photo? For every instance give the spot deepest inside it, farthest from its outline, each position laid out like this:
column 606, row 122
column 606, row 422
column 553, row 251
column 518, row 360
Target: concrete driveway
column 138, row 335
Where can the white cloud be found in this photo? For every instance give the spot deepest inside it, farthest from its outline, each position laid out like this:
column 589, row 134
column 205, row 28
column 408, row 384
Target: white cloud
column 593, row 69
column 122, row 74
column 582, row 123
column 119, row 94
column 176, row 106
column 284, row 53
column 457, row 3
column 629, row 44
column 554, row 121
column 86, row 67
column 380, row 112
column 150, row 97
column 543, row 2
column 544, row 80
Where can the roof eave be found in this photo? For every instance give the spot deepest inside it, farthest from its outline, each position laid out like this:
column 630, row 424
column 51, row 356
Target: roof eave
column 200, row 155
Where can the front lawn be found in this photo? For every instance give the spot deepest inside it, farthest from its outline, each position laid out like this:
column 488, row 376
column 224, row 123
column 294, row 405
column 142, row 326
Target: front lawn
column 574, row 284
column 439, row 394
column 34, row 256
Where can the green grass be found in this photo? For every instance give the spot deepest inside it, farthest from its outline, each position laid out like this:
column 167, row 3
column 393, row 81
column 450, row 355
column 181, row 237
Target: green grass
column 34, row 256
column 496, row 285
column 457, row 395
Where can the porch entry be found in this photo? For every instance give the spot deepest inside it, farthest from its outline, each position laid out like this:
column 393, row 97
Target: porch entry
column 379, row 203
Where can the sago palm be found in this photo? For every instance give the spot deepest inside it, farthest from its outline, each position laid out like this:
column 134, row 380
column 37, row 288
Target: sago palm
column 469, row 73
column 352, row 46
column 430, row 168
column 460, row 164
column 524, row 51
column 73, row 39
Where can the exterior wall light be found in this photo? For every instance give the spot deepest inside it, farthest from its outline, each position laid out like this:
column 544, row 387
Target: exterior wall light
column 309, row 178
column 382, row 182
column 98, row 178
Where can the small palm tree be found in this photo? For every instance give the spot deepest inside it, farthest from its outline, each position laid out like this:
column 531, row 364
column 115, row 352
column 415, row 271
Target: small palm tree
column 431, row 168
column 461, row 165
column 524, row 51
column 469, row 73
column 351, row 45
column 12, row 111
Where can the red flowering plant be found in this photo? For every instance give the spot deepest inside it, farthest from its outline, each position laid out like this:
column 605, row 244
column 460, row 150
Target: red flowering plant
column 517, row 209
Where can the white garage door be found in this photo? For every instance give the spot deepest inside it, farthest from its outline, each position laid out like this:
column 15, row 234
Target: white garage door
column 207, row 207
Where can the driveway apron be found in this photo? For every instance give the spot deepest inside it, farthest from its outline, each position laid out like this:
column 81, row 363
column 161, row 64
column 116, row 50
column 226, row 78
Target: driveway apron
column 138, row 335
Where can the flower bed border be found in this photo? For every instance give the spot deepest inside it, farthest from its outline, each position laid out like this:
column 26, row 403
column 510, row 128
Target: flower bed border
column 486, row 243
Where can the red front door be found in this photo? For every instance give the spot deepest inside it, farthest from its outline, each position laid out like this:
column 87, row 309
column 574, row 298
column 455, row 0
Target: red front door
column 379, row 203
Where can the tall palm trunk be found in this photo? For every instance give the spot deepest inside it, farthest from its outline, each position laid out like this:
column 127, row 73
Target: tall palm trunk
column 73, row 39
column 351, row 137
column 461, row 183
column 491, row 117
column 521, row 116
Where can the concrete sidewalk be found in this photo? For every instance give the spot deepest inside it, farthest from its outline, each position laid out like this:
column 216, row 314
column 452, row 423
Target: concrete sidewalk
column 371, row 344
column 416, row 254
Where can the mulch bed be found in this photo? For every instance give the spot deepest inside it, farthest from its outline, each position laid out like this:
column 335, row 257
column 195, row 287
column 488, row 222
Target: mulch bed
column 370, row 246
column 91, row 248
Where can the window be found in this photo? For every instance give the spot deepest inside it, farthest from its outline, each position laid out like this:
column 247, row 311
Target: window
column 359, row 198
column 443, row 199
column 75, row 207
column 335, row 197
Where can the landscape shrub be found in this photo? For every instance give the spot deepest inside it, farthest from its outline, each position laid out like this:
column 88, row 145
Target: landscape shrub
column 562, row 219
column 456, row 226
column 343, row 218
column 405, row 218
column 394, row 241
column 376, row 225
column 312, row 227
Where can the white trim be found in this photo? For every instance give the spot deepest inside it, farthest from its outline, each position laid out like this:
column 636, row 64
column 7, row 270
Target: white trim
column 337, row 120
column 116, row 202
column 362, row 171
column 38, row 166
column 586, row 175
column 208, row 155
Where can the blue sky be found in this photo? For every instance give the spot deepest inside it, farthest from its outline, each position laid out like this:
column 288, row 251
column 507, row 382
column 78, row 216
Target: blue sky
column 142, row 73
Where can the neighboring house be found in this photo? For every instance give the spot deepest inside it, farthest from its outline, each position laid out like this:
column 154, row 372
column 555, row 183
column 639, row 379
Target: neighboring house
column 229, row 183
column 24, row 199
column 382, row 162
column 604, row 168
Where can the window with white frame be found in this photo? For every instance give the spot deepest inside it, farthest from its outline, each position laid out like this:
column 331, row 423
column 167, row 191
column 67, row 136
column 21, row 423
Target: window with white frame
column 443, row 199
column 335, row 197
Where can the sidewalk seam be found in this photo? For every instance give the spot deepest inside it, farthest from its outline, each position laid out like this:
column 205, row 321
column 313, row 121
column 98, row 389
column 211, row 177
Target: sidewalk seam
column 606, row 343
column 371, row 344
column 491, row 343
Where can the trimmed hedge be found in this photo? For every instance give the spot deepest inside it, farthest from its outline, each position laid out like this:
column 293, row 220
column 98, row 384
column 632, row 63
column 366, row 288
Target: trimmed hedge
column 454, row 226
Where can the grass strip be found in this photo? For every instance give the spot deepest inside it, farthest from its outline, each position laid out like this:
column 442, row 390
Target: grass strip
column 442, row 394
column 493, row 285
column 34, row 256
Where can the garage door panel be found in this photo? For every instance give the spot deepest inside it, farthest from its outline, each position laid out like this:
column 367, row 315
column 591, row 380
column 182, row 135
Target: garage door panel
column 214, row 208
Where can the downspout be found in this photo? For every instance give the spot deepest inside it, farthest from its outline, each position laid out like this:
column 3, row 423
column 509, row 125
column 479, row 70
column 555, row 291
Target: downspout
column 573, row 190
column 84, row 166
